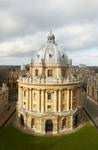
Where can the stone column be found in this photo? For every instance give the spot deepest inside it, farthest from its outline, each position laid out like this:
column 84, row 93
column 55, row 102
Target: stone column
column 55, row 126
column 27, row 100
column 59, row 100
column 42, row 101
column 45, row 102
column 30, row 99
column 28, row 121
column 20, row 96
column 55, row 101
column 39, row 108
column 71, row 99
column 67, row 99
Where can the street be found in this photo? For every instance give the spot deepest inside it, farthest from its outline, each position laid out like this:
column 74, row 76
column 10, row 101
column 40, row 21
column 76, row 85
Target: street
column 92, row 110
column 5, row 115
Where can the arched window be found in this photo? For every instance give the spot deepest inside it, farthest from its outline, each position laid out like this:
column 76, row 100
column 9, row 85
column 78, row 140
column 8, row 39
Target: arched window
column 36, row 72
column 32, row 123
column 21, row 120
column 92, row 91
column 63, row 123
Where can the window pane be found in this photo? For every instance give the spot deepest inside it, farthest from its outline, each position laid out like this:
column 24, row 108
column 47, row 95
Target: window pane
column 49, row 96
column 36, row 72
column 49, row 72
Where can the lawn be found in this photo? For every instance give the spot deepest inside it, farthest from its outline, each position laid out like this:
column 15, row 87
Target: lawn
column 84, row 139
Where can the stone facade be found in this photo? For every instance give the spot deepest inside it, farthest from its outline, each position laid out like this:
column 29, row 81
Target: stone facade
column 12, row 78
column 48, row 95
column 92, row 88
column 9, row 75
column 3, row 97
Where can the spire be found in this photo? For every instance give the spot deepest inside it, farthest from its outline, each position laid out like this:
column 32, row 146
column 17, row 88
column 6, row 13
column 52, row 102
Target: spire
column 4, row 86
column 51, row 37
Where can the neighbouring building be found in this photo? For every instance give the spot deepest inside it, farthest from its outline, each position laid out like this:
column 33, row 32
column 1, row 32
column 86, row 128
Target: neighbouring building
column 49, row 97
column 3, row 97
column 92, row 88
column 9, row 75
column 83, row 72
column 12, row 78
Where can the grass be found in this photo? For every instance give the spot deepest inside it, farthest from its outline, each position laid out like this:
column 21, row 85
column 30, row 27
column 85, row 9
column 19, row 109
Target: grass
column 84, row 139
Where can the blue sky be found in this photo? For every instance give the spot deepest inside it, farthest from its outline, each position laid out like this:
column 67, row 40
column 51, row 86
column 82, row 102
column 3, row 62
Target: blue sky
column 24, row 26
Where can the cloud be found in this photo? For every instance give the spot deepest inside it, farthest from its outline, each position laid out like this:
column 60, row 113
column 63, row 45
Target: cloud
column 80, row 36
column 24, row 25
column 21, row 46
column 74, row 38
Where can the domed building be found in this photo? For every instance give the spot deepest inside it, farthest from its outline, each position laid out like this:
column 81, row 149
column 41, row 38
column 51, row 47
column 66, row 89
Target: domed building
column 48, row 95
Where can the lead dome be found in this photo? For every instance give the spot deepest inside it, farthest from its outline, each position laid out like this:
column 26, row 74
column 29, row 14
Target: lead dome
column 50, row 53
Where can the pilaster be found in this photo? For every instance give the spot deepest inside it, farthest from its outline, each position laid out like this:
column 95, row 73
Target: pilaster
column 42, row 101
column 71, row 98
column 59, row 105
column 67, row 99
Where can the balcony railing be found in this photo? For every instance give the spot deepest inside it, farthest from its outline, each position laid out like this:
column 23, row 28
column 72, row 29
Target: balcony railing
column 47, row 80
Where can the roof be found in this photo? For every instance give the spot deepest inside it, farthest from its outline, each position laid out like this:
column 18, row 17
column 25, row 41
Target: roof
column 50, row 53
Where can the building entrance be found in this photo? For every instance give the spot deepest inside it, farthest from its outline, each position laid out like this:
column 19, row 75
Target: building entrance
column 49, row 126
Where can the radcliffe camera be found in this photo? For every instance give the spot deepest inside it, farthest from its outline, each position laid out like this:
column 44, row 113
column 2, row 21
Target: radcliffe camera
column 48, row 75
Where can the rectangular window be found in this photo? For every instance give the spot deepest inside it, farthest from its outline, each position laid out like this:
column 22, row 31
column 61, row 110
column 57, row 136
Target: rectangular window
column 50, row 72
column 49, row 96
column 49, row 107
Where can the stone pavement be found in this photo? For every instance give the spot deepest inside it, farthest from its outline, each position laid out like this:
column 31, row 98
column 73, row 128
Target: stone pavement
column 7, row 113
column 92, row 110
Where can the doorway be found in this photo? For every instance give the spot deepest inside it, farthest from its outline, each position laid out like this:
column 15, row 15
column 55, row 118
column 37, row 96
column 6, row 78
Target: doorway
column 49, row 126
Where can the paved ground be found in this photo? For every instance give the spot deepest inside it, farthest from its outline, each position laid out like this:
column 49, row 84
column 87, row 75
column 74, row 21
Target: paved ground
column 92, row 110
column 5, row 115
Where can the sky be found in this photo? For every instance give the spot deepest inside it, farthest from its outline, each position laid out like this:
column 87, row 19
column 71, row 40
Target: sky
column 25, row 24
